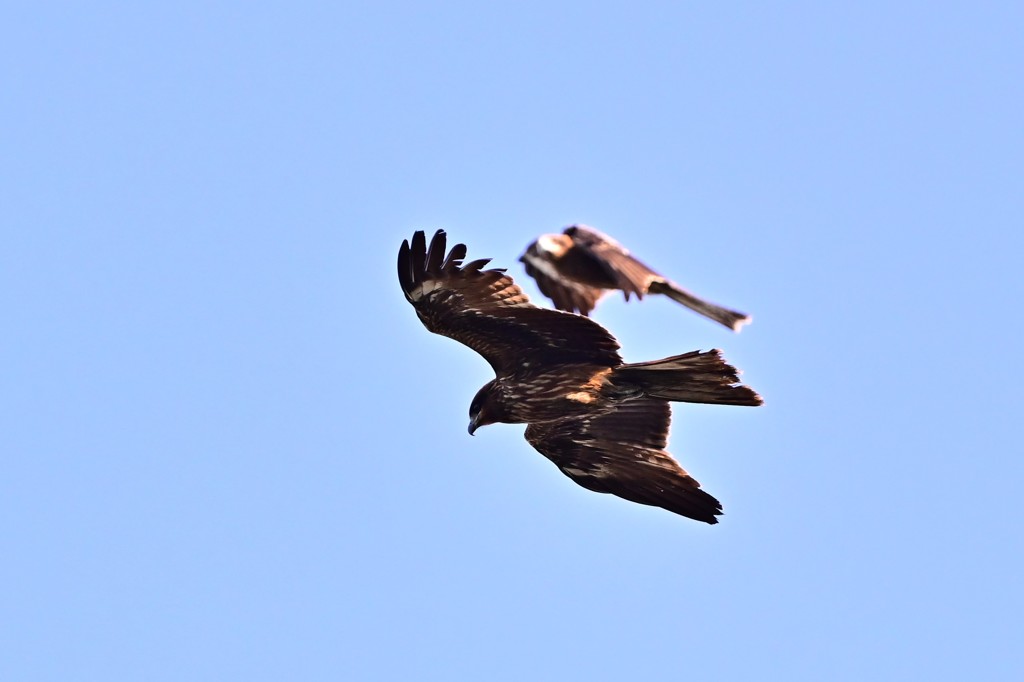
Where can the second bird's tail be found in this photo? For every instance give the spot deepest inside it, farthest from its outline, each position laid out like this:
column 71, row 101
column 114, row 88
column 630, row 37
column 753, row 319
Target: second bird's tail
column 723, row 316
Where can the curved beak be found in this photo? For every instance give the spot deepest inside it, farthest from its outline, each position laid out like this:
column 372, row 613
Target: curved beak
column 473, row 425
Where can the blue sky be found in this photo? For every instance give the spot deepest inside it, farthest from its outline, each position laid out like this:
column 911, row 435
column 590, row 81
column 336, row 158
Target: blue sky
column 231, row 451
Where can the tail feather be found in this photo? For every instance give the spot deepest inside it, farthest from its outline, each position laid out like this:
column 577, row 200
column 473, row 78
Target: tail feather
column 695, row 377
column 724, row 316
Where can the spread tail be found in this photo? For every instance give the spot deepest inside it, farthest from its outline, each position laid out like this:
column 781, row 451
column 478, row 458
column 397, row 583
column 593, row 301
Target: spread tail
column 695, row 377
column 729, row 318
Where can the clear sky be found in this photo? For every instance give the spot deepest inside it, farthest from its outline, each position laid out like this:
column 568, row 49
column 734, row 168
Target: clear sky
column 231, row 451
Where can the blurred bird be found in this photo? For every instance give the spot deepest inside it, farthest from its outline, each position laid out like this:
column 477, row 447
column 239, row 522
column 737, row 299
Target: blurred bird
column 576, row 268
column 602, row 422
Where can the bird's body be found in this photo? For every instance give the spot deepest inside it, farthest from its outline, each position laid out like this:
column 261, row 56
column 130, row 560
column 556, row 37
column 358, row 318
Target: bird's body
column 601, row 421
column 547, row 394
column 577, row 268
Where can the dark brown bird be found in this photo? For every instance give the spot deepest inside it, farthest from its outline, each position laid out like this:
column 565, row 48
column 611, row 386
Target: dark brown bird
column 576, row 268
column 602, row 422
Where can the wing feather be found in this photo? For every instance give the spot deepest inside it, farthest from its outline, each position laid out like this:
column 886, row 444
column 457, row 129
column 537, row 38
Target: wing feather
column 419, row 247
column 622, row 452
column 565, row 293
column 454, row 258
column 487, row 311
column 436, row 252
column 631, row 276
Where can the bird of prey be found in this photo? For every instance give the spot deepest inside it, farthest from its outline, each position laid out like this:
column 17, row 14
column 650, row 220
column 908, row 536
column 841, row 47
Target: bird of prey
column 576, row 268
column 602, row 422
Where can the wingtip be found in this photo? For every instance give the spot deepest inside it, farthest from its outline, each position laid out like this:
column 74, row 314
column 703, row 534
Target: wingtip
column 693, row 503
column 405, row 268
column 436, row 253
column 454, row 259
column 477, row 265
column 418, row 250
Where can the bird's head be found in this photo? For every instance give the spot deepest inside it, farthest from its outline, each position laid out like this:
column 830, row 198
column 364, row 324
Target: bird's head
column 550, row 247
column 485, row 408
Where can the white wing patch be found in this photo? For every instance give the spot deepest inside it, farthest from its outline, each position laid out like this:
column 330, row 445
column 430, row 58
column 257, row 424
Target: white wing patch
column 426, row 288
column 596, row 471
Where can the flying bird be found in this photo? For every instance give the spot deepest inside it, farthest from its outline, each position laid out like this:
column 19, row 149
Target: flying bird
column 603, row 423
column 576, row 268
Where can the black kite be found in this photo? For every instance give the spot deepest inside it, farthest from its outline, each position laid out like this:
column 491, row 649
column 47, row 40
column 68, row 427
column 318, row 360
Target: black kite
column 576, row 268
column 602, row 422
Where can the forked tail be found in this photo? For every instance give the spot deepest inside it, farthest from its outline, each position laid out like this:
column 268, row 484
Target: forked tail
column 695, row 377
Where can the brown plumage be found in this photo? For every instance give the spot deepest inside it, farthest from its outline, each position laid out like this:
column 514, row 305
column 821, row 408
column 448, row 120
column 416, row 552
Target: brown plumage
column 602, row 422
column 576, row 268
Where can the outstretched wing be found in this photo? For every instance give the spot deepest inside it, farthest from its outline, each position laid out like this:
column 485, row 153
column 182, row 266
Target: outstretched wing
column 623, row 453
column 629, row 274
column 544, row 260
column 485, row 310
